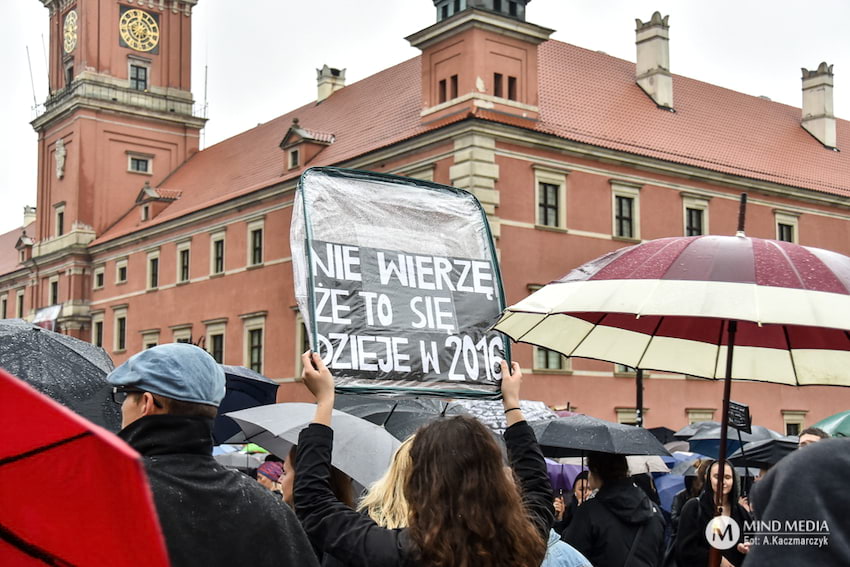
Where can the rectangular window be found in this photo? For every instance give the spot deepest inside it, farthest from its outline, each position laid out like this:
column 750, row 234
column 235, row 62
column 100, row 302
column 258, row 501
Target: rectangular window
column 512, row 8
column 122, row 273
column 121, row 333
column 497, row 85
column 217, row 347
column 624, row 216
column 294, row 159
column 146, row 212
column 138, row 77
column 19, row 308
column 69, row 74
column 443, row 94
column 623, row 369
column 97, row 333
column 140, row 165
column 54, row 292
column 184, row 265
column 785, row 232
column 154, row 272
column 255, row 350
column 444, row 12
column 545, row 359
column 3, row 304
column 547, row 204
column 60, row 223
column 99, row 279
column 457, row 6
column 453, row 79
column 512, row 88
column 218, row 256
column 497, row 5
column 257, row 246
column 694, row 224
column 791, row 429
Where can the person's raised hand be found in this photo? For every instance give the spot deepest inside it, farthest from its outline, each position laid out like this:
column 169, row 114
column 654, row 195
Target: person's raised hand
column 317, row 378
column 511, row 382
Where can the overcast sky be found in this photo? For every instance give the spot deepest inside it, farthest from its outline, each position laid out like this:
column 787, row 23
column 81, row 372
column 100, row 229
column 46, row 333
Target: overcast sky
column 262, row 55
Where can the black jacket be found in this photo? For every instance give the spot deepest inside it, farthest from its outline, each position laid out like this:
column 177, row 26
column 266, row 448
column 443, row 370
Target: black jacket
column 604, row 527
column 355, row 539
column 691, row 546
column 211, row 515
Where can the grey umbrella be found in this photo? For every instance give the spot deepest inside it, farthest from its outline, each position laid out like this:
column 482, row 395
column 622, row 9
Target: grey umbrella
column 361, row 449
column 71, row 371
column 577, row 434
column 400, row 416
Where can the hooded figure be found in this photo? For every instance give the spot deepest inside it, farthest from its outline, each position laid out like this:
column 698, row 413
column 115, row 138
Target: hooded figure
column 691, row 545
column 620, row 526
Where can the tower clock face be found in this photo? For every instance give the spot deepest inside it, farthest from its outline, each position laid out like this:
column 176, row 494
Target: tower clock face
column 139, row 30
column 70, row 31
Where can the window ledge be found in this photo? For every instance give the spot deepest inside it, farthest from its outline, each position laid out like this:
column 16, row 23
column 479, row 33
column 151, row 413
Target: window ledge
column 121, row 282
column 254, row 266
column 121, row 351
column 148, row 173
column 551, row 371
column 186, row 282
column 626, row 239
column 152, row 289
column 218, row 275
column 551, row 228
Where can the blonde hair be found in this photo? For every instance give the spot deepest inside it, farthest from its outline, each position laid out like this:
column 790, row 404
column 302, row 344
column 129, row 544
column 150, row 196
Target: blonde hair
column 385, row 502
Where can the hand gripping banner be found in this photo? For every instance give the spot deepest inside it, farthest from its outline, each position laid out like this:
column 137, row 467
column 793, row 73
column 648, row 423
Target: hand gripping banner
column 398, row 284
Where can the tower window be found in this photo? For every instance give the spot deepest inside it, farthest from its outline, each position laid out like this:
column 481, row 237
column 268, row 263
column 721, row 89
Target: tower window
column 442, row 91
column 60, row 223
column 512, row 88
column 139, row 165
column 457, row 6
column 444, row 12
column 138, row 77
column 512, row 8
column 69, row 74
column 497, row 5
column 497, row 85
column 453, row 80
column 54, row 292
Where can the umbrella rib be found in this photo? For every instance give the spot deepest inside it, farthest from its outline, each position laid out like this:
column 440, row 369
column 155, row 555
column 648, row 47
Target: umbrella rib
column 723, row 323
column 790, row 352
column 646, row 348
column 42, row 449
column 31, row 549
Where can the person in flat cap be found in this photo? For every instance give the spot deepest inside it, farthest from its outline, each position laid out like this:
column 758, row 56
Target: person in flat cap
column 210, row 515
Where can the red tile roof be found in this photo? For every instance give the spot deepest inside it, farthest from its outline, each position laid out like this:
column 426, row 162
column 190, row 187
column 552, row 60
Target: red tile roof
column 8, row 253
column 585, row 96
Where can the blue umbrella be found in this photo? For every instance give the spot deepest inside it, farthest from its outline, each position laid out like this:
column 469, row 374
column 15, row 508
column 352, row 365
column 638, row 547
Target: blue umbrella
column 245, row 389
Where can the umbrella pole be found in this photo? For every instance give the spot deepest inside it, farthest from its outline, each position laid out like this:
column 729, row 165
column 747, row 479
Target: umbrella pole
column 746, row 467
column 732, row 328
column 639, row 401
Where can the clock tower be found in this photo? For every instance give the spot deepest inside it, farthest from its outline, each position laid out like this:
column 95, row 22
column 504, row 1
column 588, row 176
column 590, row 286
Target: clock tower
column 119, row 116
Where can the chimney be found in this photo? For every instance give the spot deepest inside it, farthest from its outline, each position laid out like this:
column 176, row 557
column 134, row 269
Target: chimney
column 29, row 215
column 818, row 117
column 329, row 81
column 653, row 60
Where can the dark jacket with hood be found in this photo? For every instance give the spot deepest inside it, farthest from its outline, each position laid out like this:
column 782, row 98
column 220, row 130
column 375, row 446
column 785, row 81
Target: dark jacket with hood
column 605, row 527
column 691, row 546
column 356, row 540
column 211, row 515
column 810, row 485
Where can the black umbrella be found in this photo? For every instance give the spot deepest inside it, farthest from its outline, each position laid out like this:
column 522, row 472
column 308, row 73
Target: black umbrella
column 245, row 389
column 663, row 434
column 763, row 454
column 690, row 430
column 707, row 441
column 400, row 416
column 577, row 434
column 71, row 371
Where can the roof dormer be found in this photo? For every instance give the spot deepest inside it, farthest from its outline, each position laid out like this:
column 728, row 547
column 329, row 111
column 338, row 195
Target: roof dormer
column 302, row 145
column 153, row 200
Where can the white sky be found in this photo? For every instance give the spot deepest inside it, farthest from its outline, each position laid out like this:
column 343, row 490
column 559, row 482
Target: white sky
column 262, row 55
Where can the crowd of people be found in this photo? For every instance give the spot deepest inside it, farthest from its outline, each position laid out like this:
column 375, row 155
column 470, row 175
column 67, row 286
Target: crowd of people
column 449, row 497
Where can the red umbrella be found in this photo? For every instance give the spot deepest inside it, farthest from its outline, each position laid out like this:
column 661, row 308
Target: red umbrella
column 682, row 304
column 71, row 492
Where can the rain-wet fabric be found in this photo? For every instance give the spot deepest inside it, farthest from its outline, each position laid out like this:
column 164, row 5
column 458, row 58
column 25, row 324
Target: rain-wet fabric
column 561, row 554
column 605, row 526
column 210, row 515
column 809, row 484
column 691, row 546
column 356, row 540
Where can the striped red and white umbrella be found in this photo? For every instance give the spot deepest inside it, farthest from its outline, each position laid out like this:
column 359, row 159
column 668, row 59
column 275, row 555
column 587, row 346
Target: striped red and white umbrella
column 667, row 305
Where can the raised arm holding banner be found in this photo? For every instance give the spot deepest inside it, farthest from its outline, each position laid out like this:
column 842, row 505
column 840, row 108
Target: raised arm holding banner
column 398, row 284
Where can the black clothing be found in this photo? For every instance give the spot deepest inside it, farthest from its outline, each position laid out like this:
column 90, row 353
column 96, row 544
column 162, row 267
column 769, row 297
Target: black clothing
column 605, row 526
column 355, row 539
column 691, row 545
column 809, row 484
column 211, row 515
column 676, row 510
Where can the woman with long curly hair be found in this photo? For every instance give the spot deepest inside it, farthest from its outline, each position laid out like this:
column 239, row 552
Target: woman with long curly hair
column 385, row 502
column 466, row 508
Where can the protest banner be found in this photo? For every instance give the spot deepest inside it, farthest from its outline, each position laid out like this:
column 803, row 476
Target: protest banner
column 398, row 284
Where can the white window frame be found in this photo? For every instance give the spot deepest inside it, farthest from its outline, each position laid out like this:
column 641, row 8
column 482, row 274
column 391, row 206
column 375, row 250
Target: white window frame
column 140, row 156
column 216, row 237
column 789, row 218
column 631, row 190
column 552, row 177
column 293, row 158
column 626, row 370
column 118, row 313
column 4, row 301
column 627, row 415
column 696, row 415
column 148, row 337
column 252, row 321
column 145, row 212
column 97, row 317
column 153, row 255
column 795, row 417
column 99, row 270
column 133, row 61
column 181, row 333
column 566, row 363
column 20, row 303
column 423, row 173
column 50, row 281
column 122, row 263
column 183, row 246
column 698, row 203
column 216, row 327
column 258, row 224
